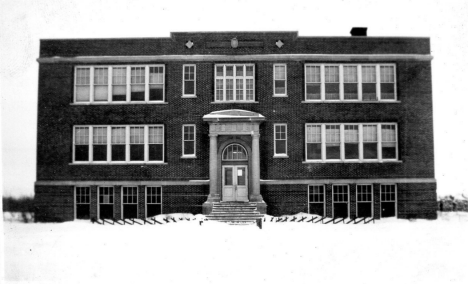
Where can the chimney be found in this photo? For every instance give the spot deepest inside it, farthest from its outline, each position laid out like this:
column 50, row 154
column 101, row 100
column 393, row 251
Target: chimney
column 358, row 31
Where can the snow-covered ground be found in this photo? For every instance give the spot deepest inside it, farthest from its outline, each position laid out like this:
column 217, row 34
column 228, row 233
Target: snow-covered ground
column 389, row 251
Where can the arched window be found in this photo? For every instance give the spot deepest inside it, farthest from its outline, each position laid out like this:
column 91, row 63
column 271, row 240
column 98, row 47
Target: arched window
column 234, row 152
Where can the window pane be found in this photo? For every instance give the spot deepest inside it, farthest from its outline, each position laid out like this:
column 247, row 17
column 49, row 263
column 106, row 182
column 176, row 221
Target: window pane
column 239, row 89
column 137, row 93
column 81, row 136
column 229, row 70
column 189, row 147
column 155, row 134
column 240, row 70
column 249, row 70
column 280, row 87
column 280, row 146
column 351, row 142
column 228, row 176
column 137, row 152
column 313, row 74
column 155, row 152
column 229, row 89
column 280, row 72
column 99, row 152
column 189, row 87
column 387, row 91
column 314, row 151
column 137, row 135
column 82, row 93
column 156, row 92
column 332, row 142
column 118, row 135
column 156, row 75
column 219, row 71
column 118, row 152
column 81, row 153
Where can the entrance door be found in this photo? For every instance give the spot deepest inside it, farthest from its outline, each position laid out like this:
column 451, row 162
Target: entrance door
column 235, row 183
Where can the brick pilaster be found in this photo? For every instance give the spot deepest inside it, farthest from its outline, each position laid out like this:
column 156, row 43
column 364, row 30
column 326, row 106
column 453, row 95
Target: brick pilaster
column 328, row 200
column 117, row 202
column 352, row 201
column 93, row 210
column 141, row 201
column 376, row 188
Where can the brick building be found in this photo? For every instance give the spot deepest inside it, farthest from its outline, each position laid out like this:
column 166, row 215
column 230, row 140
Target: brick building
column 335, row 126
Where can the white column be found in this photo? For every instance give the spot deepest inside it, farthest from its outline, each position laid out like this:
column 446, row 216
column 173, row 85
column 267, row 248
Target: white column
column 213, row 168
column 256, row 197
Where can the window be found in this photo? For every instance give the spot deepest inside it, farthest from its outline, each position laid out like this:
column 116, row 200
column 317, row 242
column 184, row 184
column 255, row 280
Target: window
column 82, row 84
column 317, row 200
column 99, row 143
column 350, row 82
column 332, row 145
column 189, row 80
column 156, row 143
column 153, row 201
column 354, row 142
column 388, row 192
column 313, row 83
column 234, row 83
column 137, row 143
column 351, row 142
column 364, row 200
column 119, row 144
column 108, row 84
column 81, row 144
column 234, row 152
column 82, row 202
column 332, row 83
column 106, row 202
column 188, row 143
column 281, row 140
column 313, row 142
column 389, row 144
column 279, row 79
column 130, row 202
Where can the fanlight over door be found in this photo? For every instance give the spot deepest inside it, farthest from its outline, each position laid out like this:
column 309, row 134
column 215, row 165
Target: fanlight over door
column 234, row 152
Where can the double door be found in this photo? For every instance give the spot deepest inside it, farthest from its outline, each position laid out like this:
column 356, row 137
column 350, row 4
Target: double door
column 235, row 183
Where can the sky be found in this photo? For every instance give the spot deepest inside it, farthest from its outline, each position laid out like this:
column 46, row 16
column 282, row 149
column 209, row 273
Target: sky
column 24, row 23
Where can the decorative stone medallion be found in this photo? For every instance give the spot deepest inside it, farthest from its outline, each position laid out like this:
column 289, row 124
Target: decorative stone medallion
column 234, row 43
column 279, row 43
column 189, row 44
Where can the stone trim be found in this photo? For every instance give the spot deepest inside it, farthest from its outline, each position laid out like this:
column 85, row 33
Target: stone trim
column 123, row 182
column 250, row 57
column 350, row 181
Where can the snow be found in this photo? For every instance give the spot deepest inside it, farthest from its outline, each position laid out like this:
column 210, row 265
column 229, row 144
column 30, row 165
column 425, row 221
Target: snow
column 389, row 251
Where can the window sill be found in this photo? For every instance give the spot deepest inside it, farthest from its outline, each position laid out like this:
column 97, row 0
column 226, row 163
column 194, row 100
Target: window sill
column 350, row 102
column 115, row 163
column 189, row 96
column 235, row 102
column 188, row 157
column 280, row 156
column 120, row 103
column 280, row 96
column 353, row 162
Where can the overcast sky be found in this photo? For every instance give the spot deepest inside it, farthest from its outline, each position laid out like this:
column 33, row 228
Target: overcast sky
column 23, row 23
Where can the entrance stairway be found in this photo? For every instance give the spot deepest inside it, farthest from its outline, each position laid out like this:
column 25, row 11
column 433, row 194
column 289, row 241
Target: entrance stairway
column 235, row 213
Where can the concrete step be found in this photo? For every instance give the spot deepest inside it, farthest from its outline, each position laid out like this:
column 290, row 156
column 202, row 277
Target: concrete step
column 228, row 218
column 236, row 215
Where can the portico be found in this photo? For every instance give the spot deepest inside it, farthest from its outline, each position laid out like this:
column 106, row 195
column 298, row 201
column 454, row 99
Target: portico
column 238, row 169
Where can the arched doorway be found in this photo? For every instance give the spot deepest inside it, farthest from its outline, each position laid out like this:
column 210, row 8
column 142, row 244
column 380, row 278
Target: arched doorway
column 235, row 182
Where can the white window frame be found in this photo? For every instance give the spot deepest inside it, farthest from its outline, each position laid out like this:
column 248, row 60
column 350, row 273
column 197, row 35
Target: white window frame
column 127, row 145
column 128, row 84
column 324, row 198
column 194, row 95
column 146, row 198
column 361, row 143
column 194, row 155
column 396, row 198
column 341, row 82
column 285, row 80
column 234, row 77
column 75, row 195
column 348, row 202
column 280, row 155
column 371, row 201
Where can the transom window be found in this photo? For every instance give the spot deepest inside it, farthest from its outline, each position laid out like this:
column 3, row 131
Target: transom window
column 351, row 142
column 234, row 82
column 153, row 195
column 387, row 192
column 130, row 195
column 364, row 193
column 82, row 195
column 353, row 82
column 316, row 194
column 234, row 152
column 340, row 193
column 106, row 195
column 114, row 84
column 117, row 144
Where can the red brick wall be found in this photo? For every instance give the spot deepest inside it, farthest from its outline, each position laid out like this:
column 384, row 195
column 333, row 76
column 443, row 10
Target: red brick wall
column 54, row 203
